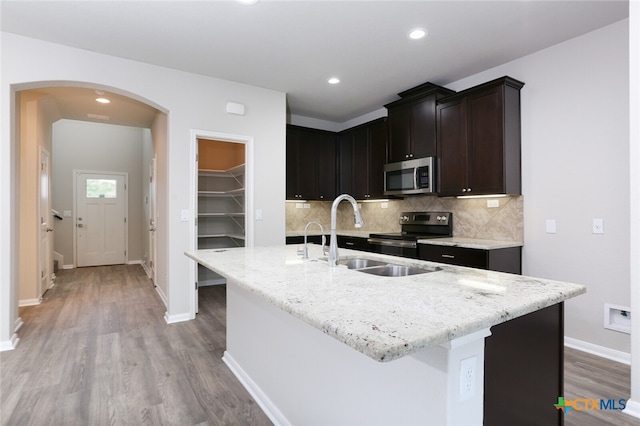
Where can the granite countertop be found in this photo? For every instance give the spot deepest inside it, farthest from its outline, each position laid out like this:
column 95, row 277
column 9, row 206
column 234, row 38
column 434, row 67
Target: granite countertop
column 384, row 318
column 472, row 243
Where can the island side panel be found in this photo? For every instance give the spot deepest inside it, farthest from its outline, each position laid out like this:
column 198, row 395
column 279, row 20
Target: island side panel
column 524, row 365
column 301, row 376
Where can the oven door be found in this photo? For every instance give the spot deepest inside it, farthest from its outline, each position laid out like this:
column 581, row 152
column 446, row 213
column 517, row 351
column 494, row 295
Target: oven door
column 401, row 248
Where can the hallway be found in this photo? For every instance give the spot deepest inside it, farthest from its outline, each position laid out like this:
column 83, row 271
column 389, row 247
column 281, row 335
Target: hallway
column 97, row 351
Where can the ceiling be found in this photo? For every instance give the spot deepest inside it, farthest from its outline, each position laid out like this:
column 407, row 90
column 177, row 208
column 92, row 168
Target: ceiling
column 295, row 46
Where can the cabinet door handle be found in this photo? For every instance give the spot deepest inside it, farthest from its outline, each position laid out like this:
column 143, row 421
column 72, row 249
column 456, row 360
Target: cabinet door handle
column 349, row 243
column 449, row 256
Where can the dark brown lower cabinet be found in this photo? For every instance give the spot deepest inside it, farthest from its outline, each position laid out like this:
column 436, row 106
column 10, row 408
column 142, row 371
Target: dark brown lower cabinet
column 524, row 357
column 501, row 260
column 524, row 371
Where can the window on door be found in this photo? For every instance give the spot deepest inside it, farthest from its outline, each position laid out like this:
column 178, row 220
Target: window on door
column 102, row 188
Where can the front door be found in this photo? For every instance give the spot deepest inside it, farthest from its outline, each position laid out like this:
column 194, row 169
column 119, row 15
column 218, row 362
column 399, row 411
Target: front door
column 46, row 225
column 101, row 219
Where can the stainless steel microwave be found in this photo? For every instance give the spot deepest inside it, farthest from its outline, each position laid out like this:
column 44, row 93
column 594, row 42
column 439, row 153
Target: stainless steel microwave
column 409, row 177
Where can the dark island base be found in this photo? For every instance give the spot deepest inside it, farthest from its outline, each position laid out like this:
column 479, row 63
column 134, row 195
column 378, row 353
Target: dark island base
column 524, row 371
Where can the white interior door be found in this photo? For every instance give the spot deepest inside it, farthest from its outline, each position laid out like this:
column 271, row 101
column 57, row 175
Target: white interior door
column 46, row 225
column 101, row 220
column 152, row 220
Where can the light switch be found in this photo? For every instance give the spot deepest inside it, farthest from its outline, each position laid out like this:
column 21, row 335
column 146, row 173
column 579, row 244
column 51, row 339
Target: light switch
column 66, row 213
column 184, row 215
column 551, row 226
column 493, row 204
column 258, row 214
column 598, row 226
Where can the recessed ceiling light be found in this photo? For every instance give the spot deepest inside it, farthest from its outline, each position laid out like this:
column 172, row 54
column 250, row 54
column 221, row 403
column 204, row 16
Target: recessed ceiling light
column 417, row 33
column 333, row 80
column 247, row 1
column 103, row 100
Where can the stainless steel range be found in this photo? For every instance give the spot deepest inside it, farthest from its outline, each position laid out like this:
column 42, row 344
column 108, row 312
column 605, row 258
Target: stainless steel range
column 414, row 226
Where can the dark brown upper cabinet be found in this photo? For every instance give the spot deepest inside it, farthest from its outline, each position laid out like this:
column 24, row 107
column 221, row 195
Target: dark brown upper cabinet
column 412, row 122
column 311, row 164
column 362, row 156
column 478, row 140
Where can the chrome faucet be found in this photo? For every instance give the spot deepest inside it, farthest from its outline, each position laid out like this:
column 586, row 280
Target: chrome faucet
column 333, row 244
column 305, row 251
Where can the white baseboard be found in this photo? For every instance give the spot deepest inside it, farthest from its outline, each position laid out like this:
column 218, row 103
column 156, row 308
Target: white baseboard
column 632, row 409
column 135, row 262
column 269, row 408
column 72, row 266
column 29, row 302
column 59, row 257
column 601, row 351
column 172, row 319
column 17, row 324
column 146, row 269
column 163, row 297
column 9, row 345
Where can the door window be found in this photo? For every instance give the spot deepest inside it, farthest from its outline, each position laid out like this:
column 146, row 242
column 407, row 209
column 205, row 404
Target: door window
column 102, row 188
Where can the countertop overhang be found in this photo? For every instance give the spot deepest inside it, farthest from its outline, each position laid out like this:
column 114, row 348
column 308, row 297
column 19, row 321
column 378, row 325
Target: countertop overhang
column 384, row 318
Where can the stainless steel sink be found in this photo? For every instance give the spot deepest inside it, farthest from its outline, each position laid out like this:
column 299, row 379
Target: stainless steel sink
column 361, row 263
column 377, row 267
column 397, row 270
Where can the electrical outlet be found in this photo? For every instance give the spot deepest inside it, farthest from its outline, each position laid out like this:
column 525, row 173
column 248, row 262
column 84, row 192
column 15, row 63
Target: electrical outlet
column 468, row 378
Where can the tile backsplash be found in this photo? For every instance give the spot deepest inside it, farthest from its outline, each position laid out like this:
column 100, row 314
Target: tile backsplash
column 471, row 217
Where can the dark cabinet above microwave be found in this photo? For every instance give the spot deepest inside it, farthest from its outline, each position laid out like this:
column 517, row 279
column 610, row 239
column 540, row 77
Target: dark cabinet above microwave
column 412, row 122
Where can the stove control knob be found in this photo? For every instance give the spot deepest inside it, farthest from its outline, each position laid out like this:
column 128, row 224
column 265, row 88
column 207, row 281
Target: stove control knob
column 404, row 218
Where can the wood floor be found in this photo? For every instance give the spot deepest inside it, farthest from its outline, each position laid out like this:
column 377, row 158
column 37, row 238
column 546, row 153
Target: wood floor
column 97, row 351
column 589, row 376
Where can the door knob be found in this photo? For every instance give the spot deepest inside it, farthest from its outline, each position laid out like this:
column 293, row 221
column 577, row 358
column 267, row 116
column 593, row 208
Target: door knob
column 49, row 229
column 79, row 225
column 152, row 229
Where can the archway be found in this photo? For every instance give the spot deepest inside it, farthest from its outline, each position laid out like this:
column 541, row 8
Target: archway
column 35, row 107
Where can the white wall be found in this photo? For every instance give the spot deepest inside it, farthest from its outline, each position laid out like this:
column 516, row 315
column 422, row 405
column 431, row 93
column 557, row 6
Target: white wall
column 575, row 147
column 159, row 137
column 82, row 145
column 37, row 114
column 191, row 101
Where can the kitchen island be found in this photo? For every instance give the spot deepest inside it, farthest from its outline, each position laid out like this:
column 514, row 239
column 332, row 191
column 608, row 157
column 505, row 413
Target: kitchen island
column 321, row 345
